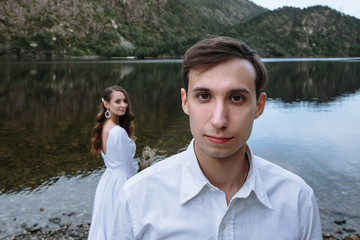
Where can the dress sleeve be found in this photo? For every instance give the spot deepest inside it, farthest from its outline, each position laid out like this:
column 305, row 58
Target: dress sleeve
column 125, row 150
column 122, row 143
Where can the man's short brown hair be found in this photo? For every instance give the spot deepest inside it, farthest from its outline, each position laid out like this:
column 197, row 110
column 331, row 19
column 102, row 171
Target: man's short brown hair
column 210, row 52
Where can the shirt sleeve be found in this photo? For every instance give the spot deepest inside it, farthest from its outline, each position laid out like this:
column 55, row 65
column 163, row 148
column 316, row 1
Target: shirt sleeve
column 123, row 229
column 311, row 220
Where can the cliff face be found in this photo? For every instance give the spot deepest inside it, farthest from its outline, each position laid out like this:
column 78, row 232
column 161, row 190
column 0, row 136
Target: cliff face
column 84, row 16
column 109, row 27
column 62, row 17
column 312, row 32
column 152, row 28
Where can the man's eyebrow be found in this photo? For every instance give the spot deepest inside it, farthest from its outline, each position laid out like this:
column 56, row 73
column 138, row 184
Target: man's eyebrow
column 239, row 90
column 201, row 89
column 232, row 91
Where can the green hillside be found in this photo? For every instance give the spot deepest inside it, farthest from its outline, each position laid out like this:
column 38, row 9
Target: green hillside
column 291, row 32
column 56, row 29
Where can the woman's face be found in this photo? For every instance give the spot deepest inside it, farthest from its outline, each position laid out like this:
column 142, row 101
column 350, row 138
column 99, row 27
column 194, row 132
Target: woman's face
column 118, row 103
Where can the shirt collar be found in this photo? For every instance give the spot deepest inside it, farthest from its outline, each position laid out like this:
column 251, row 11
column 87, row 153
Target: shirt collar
column 253, row 182
column 193, row 179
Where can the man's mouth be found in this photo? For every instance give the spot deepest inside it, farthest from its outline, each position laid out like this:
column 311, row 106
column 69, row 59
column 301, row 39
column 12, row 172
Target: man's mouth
column 218, row 139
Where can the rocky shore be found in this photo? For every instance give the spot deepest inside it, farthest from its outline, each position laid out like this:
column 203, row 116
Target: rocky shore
column 66, row 232
column 80, row 232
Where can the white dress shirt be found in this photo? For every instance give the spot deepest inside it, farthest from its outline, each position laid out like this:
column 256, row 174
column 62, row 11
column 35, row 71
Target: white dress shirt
column 174, row 200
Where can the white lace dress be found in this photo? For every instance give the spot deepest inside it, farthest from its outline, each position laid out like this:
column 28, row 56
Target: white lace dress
column 120, row 150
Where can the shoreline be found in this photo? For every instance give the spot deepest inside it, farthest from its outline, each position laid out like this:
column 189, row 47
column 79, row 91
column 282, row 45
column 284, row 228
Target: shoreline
column 81, row 231
column 177, row 59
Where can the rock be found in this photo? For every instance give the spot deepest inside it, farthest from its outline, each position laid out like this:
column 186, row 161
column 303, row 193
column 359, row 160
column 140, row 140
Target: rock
column 35, row 230
column 354, row 237
column 340, row 222
column 327, row 235
column 55, row 220
column 70, row 214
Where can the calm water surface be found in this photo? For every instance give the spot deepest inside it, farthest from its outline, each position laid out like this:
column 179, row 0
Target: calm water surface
column 47, row 175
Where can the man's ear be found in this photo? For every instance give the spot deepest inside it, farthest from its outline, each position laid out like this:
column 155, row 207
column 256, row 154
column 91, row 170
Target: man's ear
column 260, row 105
column 184, row 101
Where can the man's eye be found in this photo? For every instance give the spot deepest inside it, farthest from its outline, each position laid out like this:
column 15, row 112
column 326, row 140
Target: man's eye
column 237, row 98
column 204, row 96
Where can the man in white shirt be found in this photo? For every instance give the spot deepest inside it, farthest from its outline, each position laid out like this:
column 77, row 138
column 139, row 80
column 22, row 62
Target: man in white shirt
column 217, row 189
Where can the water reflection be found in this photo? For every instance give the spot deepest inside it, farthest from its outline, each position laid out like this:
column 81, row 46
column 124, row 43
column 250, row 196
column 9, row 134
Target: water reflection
column 47, row 110
column 320, row 144
column 316, row 82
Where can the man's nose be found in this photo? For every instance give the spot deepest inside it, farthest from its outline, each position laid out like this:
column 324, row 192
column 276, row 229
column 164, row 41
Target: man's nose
column 219, row 115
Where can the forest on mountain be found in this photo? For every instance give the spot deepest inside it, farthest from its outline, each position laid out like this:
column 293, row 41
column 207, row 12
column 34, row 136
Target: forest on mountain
column 60, row 29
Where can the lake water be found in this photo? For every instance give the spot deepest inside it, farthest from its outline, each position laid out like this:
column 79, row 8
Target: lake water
column 48, row 177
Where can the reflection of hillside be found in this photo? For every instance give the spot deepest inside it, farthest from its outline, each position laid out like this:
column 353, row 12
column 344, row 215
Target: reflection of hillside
column 125, row 70
column 44, row 132
column 52, row 91
column 160, row 121
column 312, row 81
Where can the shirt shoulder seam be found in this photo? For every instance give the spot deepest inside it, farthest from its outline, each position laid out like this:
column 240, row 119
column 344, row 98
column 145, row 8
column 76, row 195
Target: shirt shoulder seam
column 282, row 172
column 157, row 168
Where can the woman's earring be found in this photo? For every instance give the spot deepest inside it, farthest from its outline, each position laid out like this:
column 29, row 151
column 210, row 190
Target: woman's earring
column 107, row 114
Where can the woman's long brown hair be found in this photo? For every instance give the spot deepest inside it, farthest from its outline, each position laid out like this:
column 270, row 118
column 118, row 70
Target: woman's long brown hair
column 125, row 121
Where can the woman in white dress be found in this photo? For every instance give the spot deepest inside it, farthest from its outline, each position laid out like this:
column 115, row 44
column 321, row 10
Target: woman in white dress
column 113, row 139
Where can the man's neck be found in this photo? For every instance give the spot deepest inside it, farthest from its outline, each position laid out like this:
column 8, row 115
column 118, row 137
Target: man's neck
column 227, row 174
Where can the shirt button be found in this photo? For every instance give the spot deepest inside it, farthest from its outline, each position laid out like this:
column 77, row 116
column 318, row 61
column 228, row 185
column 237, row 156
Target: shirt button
column 200, row 200
column 223, row 227
column 245, row 203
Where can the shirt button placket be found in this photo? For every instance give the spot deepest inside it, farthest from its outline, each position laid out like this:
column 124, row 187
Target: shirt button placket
column 226, row 227
column 223, row 232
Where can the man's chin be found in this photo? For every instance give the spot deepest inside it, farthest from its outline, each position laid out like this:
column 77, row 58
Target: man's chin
column 219, row 153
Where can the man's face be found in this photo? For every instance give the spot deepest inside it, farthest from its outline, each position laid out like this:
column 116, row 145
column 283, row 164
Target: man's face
column 221, row 104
